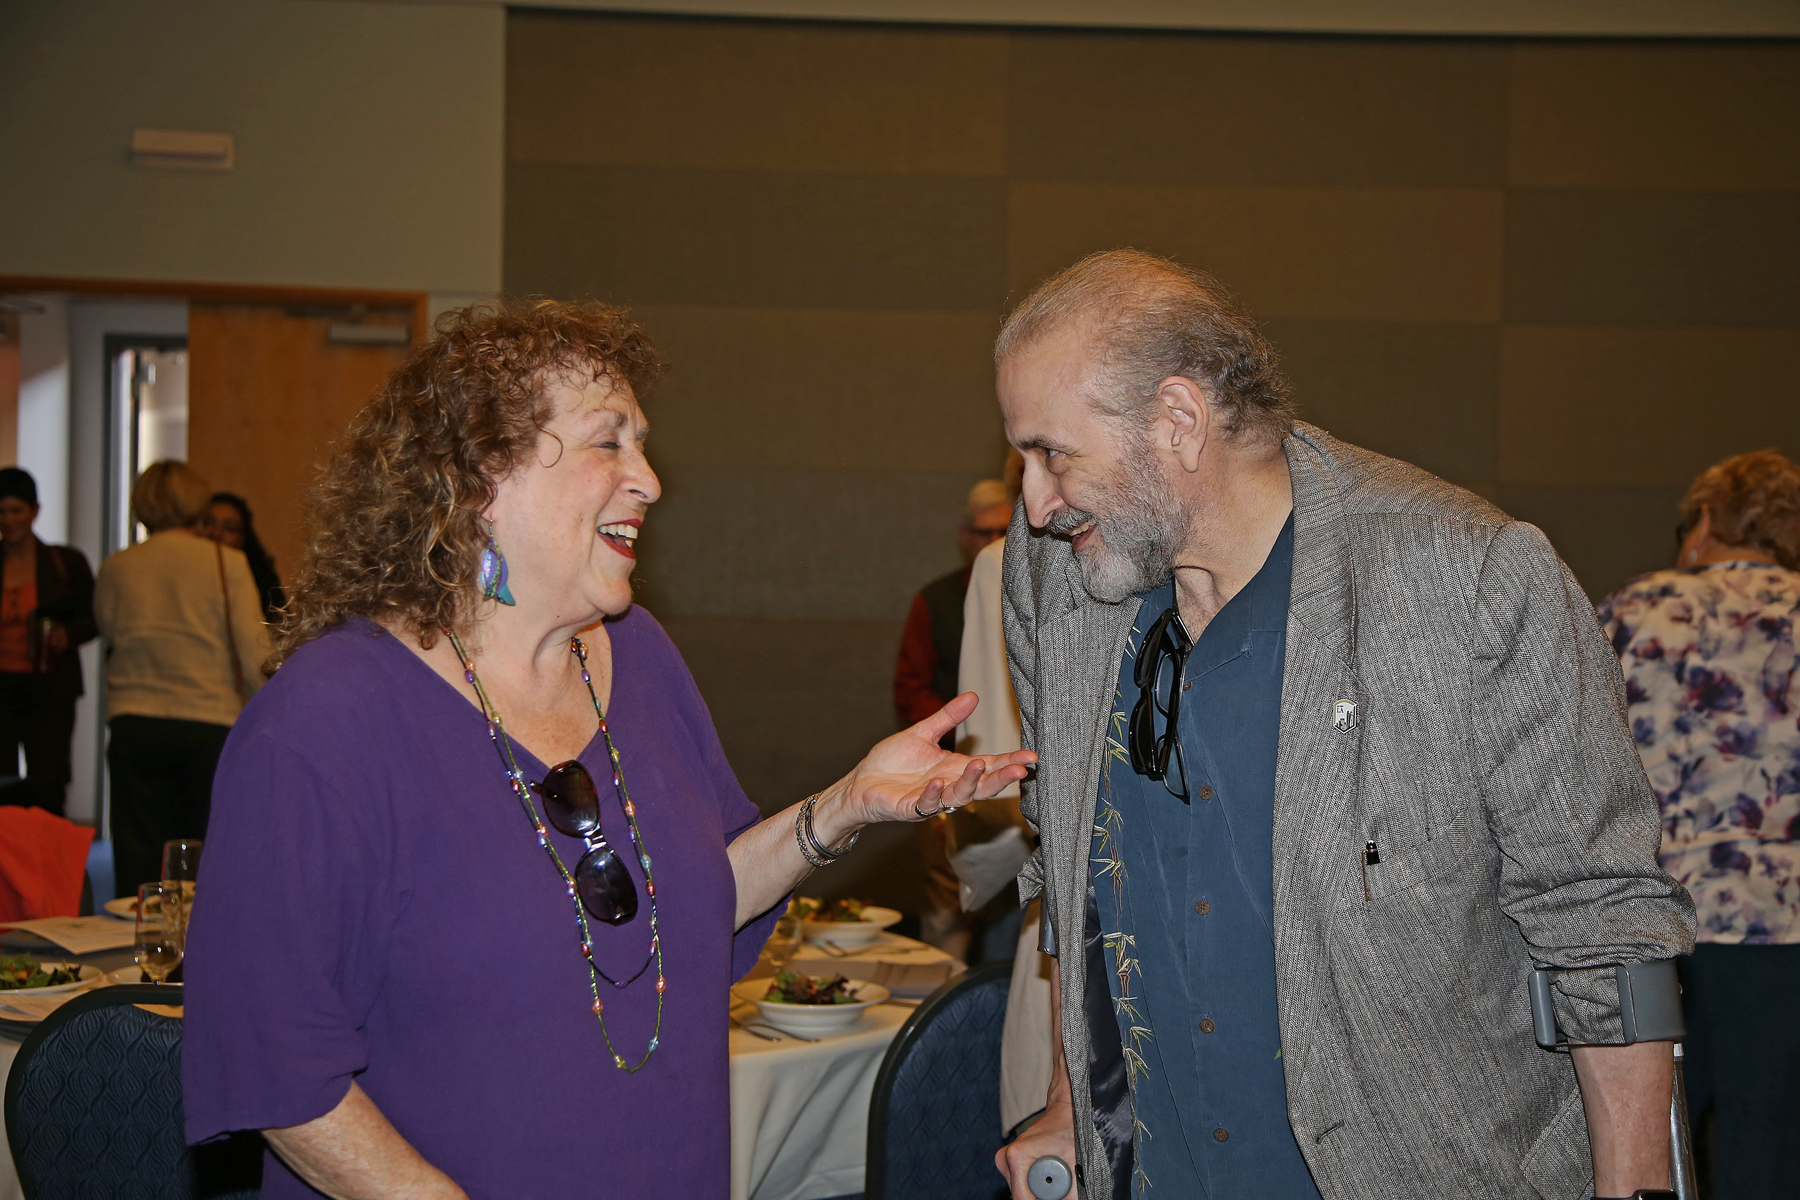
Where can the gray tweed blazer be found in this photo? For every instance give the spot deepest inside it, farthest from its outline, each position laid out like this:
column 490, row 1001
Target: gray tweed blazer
column 1487, row 755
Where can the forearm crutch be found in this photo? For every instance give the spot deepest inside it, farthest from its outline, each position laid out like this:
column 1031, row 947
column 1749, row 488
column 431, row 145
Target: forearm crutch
column 1650, row 1011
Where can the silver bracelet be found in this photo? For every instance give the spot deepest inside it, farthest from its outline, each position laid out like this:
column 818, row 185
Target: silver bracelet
column 811, row 848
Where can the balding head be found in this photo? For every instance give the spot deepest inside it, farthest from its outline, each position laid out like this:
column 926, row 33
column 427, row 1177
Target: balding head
column 1146, row 319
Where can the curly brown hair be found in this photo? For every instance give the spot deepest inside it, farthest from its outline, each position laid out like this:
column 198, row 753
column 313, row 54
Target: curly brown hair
column 1754, row 500
column 396, row 526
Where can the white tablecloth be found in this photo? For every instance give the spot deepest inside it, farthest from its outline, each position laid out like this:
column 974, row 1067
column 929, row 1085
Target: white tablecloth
column 9, row 1178
column 800, row 1110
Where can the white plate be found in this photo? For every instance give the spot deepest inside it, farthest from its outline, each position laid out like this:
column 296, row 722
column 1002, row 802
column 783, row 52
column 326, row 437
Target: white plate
column 131, row 974
column 847, row 935
column 88, row 975
column 809, row 1020
column 125, row 907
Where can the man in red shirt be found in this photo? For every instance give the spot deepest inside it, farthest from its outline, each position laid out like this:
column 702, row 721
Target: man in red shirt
column 925, row 677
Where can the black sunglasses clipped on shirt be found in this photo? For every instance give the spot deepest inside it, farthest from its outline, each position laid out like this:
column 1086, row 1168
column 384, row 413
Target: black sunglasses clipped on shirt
column 1167, row 641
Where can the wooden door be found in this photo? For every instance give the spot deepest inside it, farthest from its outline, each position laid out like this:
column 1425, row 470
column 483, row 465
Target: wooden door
column 268, row 396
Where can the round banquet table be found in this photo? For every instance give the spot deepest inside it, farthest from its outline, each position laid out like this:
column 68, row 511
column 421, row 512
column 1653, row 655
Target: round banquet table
column 799, row 1110
column 9, row 1178
column 12, row 1033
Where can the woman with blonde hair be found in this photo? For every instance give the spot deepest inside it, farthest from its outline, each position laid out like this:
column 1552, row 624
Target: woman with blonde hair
column 1708, row 652
column 185, row 640
column 480, row 877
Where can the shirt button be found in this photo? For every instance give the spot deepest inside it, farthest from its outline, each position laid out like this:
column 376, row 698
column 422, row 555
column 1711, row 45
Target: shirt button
column 1206, row 1025
column 1206, row 792
column 1187, row 687
column 1221, row 1134
column 1203, row 907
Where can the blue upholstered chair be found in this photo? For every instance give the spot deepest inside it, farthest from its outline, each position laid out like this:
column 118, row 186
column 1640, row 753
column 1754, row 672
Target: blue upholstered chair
column 934, row 1121
column 93, row 1108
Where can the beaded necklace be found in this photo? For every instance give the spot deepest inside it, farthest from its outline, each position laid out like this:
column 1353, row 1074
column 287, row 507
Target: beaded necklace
column 516, row 778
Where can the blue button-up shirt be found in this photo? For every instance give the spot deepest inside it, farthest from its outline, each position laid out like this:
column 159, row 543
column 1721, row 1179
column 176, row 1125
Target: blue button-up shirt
column 1184, row 893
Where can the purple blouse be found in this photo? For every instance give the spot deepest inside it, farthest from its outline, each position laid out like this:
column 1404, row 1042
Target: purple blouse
column 373, row 906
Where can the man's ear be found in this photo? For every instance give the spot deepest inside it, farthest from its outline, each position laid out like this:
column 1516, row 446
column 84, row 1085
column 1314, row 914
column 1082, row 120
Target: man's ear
column 1190, row 418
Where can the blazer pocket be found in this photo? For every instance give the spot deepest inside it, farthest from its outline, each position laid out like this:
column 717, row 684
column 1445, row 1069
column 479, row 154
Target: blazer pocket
column 1559, row 1164
column 1409, row 866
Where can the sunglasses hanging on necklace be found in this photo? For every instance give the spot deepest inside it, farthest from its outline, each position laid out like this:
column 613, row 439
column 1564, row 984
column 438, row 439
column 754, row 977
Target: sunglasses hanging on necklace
column 600, row 884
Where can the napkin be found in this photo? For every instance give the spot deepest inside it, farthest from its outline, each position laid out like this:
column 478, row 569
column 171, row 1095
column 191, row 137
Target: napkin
column 33, row 1008
column 79, row 935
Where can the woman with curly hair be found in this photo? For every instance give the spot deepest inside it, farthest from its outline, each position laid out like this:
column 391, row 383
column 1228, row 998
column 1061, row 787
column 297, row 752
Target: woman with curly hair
column 1713, row 693
column 479, row 875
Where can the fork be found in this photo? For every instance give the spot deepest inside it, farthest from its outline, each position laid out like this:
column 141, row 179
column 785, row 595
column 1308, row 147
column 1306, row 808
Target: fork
column 799, row 1037
column 757, row 1032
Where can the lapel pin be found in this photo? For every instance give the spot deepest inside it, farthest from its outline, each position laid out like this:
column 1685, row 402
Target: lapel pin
column 1343, row 715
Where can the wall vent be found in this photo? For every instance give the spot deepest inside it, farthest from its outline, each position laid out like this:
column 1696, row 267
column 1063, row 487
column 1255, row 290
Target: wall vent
column 183, row 150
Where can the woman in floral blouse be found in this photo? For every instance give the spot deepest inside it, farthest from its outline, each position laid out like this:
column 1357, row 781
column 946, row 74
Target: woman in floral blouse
column 1708, row 652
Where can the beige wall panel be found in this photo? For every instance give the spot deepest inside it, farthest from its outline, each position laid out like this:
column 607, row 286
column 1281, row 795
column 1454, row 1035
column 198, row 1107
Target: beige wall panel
column 370, row 142
column 786, row 543
column 1652, row 258
column 775, row 96
column 1593, row 407
column 765, row 239
column 1175, row 108
column 797, row 704
column 1358, row 253
column 1606, row 535
column 1674, row 116
column 1427, row 394
column 821, row 388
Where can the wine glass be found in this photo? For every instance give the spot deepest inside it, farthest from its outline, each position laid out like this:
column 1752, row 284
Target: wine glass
column 159, row 939
column 180, row 867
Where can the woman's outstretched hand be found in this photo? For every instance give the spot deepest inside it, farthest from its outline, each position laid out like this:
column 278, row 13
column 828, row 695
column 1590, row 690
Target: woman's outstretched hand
column 909, row 777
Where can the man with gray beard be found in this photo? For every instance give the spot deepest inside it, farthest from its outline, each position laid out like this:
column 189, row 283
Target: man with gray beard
column 1332, row 755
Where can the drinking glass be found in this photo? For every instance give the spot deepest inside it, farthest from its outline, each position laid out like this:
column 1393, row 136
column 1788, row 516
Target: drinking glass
column 159, row 935
column 784, row 942
column 180, row 867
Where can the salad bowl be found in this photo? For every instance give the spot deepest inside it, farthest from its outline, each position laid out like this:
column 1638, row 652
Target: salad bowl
column 849, row 934
column 809, row 1020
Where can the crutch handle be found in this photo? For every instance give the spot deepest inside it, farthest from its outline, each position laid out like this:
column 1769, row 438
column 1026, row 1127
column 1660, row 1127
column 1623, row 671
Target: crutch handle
column 1050, row 1178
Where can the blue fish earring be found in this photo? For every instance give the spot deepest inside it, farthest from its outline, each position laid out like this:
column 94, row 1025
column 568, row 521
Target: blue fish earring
column 493, row 573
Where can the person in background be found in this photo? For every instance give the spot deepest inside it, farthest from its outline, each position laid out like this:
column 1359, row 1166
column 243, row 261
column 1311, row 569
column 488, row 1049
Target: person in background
column 993, row 728
column 185, row 644
column 46, row 611
column 925, row 679
column 1707, row 649
column 931, row 643
column 227, row 522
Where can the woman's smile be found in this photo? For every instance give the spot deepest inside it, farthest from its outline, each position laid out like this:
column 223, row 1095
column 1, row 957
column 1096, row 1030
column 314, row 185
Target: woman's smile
column 622, row 535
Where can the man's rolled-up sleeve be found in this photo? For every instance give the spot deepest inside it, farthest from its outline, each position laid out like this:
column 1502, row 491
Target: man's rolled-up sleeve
column 1564, row 793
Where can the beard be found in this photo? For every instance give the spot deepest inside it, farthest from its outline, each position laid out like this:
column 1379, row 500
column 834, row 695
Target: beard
column 1140, row 526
